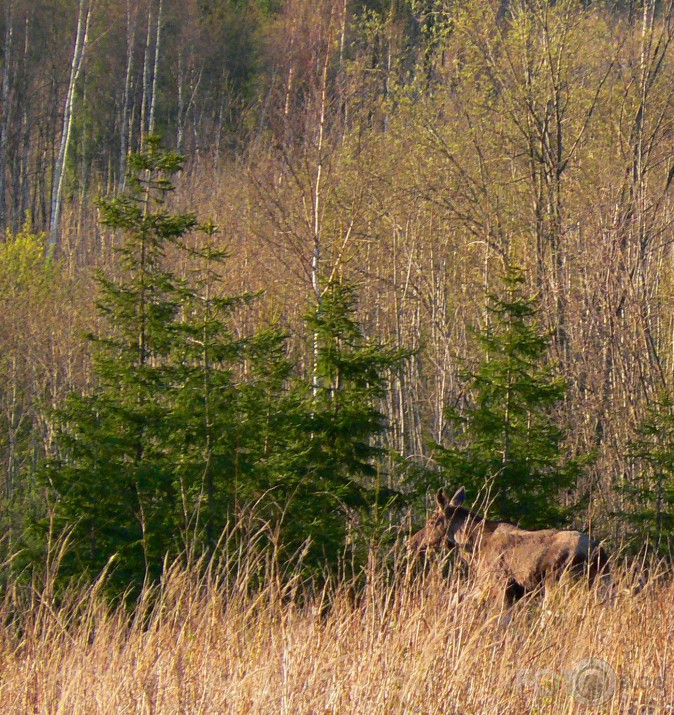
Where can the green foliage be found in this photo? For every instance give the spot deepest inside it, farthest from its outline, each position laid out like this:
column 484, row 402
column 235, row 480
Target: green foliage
column 112, row 477
column 346, row 421
column 507, row 440
column 350, row 380
column 31, row 284
column 321, row 461
column 142, row 458
column 24, row 265
column 649, row 495
column 188, row 422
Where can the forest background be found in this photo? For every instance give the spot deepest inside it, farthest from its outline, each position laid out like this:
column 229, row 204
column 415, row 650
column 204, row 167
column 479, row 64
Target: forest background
column 456, row 167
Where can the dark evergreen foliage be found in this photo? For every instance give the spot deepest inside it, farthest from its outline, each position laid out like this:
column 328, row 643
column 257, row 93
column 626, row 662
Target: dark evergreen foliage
column 188, row 423
column 648, row 496
column 507, row 445
column 346, row 421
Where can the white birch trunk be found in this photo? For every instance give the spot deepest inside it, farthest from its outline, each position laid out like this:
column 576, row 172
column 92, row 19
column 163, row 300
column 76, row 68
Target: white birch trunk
column 79, row 51
column 125, row 129
column 155, row 71
column 317, row 209
column 145, row 99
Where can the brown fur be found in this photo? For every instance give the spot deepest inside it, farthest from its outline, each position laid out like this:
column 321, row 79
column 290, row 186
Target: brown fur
column 520, row 561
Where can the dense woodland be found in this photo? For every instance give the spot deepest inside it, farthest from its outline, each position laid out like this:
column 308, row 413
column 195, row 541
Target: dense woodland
column 443, row 252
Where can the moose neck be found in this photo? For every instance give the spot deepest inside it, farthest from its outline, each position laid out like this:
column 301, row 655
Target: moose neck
column 474, row 531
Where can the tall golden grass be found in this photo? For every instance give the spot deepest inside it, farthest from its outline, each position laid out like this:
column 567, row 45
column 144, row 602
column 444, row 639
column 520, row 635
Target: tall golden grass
column 231, row 642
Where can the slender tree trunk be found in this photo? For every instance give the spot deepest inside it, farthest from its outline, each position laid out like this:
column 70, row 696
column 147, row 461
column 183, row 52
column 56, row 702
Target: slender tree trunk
column 84, row 164
column 220, row 123
column 125, row 130
column 180, row 119
column 209, row 481
column 340, row 74
column 318, row 207
column 155, row 70
column 145, row 98
column 79, row 51
column 22, row 194
column 4, row 124
column 17, row 141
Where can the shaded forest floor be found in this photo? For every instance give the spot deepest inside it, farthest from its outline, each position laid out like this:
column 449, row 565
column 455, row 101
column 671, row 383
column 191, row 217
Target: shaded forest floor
column 223, row 645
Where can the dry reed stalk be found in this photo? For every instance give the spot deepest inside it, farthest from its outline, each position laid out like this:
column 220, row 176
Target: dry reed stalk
column 228, row 642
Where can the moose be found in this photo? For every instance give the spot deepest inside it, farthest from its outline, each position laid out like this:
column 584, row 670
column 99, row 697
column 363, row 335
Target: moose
column 520, row 561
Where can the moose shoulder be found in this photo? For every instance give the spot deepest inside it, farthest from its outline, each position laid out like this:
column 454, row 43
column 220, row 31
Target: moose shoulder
column 522, row 561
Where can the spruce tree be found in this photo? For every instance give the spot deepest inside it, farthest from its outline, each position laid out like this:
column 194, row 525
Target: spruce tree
column 506, row 443
column 346, row 424
column 112, row 477
column 205, row 425
column 188, row 423
column 649, row 495
column 147, row 465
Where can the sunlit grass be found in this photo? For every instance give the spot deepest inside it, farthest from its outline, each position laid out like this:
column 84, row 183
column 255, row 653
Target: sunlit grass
column 209, row 642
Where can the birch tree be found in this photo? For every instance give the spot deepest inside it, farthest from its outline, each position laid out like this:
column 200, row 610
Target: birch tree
column 151, row 69
column 85, row 9
column 155, row 68
column 126, row 120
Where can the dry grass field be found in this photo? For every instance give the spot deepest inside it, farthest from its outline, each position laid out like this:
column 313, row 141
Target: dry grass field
column 218, row 644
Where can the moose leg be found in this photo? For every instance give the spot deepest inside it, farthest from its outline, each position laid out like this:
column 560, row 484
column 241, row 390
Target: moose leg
column 514, row 591
column 599, row 574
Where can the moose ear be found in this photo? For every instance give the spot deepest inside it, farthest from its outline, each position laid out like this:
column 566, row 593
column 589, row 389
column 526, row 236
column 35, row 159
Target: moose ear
column 441, row 498
column 459, row 497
